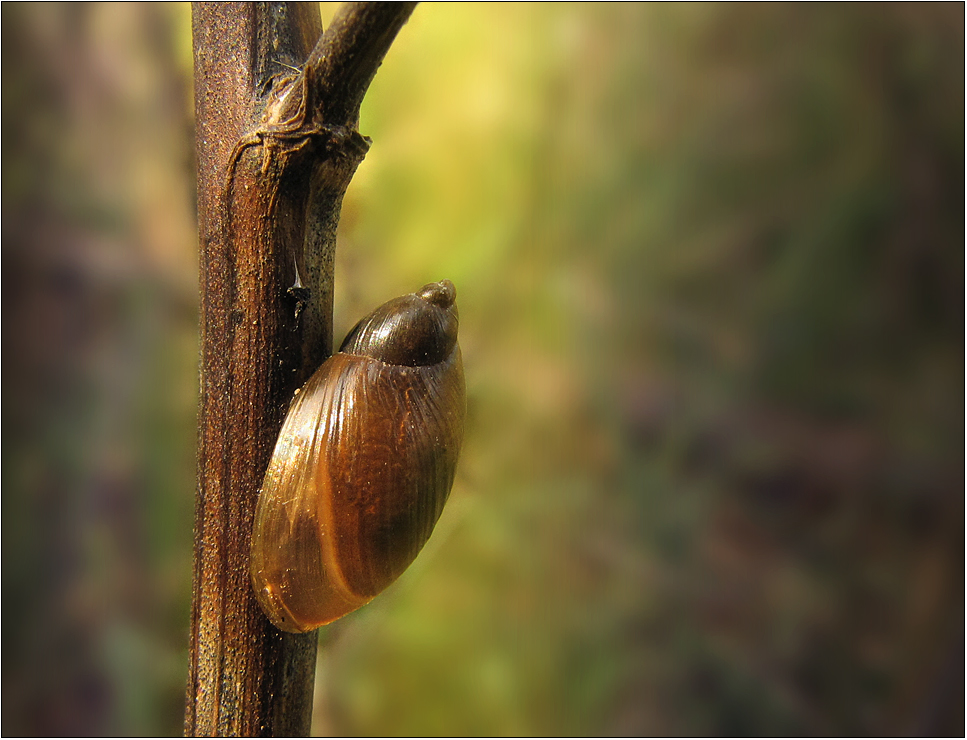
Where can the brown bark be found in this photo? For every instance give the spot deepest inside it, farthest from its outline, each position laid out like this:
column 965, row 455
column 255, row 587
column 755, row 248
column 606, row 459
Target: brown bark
column 276, row 150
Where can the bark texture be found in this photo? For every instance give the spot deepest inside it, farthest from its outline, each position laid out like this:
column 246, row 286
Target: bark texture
column 277, row 146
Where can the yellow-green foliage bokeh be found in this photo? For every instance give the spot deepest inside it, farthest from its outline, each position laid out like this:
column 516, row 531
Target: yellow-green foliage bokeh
column 678, row 233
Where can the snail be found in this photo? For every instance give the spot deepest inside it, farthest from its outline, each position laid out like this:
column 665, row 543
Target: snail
column 363, row 465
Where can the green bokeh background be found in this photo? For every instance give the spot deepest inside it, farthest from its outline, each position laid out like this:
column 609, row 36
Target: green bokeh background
column 709, row 262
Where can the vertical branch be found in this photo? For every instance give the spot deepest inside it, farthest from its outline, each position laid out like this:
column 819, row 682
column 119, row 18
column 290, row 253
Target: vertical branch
column 245, row 678
column 276, row 151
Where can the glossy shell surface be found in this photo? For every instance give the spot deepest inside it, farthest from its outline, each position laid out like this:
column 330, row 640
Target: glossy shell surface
column 363, row 465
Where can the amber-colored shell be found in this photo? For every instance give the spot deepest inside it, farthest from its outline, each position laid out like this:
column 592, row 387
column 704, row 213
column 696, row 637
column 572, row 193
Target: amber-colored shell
column 363, row 465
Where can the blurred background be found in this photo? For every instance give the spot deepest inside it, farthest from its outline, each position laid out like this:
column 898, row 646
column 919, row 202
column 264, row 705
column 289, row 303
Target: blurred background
column 710, row 271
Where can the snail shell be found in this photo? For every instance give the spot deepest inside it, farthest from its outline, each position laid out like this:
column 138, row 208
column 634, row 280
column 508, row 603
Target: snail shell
column 363, row 465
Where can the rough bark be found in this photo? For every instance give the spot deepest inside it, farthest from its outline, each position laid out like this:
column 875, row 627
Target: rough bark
column 276, row 146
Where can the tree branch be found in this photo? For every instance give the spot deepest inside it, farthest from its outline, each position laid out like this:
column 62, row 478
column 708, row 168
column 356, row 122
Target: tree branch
column 274, row 161
column 346, row 58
